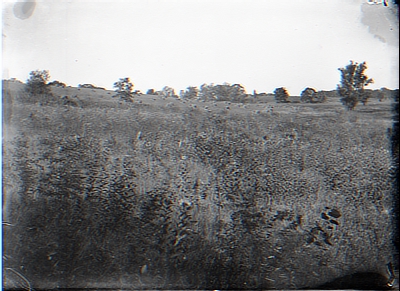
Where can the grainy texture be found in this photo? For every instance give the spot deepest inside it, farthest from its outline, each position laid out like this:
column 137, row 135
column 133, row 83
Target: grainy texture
column 158, row 194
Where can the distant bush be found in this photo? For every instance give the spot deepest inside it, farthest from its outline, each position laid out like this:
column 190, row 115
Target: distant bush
column 306, row 95
column 137, row 92
column 15, row 80
column 310, row 95
column 222, row 92
column 90, row 86
column 281, row 95
column 151, row 92
column 37, row 82
column 57, row 84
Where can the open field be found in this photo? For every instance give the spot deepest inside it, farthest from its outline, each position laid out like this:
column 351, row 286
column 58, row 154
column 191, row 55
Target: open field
column 167, row 194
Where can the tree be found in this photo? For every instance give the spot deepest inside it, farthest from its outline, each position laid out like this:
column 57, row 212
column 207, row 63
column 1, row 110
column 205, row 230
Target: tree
column 190, row 93
column 352, row 84
column 168, row 92
column 206, row 92
column 37, row 82
column 281, row 95
column 124, row 89
column 223, row 92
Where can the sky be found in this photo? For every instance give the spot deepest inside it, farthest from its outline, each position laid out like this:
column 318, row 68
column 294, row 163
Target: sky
column 261, row 44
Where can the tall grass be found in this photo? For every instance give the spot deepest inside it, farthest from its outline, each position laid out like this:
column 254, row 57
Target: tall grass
column 178, row 198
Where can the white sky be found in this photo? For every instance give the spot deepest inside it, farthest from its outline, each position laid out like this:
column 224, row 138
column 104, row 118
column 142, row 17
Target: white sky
column 261, row 44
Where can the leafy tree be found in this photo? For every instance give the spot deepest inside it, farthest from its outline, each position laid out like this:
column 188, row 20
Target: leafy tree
column 168, row 92
column 223, row 92
column 124, row 89
column 151, row 92
column 234, row 93
column 281, row 95
column 206, row 92
column 190, row 93
column 352, row 84
column 37, row 82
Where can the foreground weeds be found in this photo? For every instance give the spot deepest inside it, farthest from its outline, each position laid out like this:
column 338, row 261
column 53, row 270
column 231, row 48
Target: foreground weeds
column 132, row 197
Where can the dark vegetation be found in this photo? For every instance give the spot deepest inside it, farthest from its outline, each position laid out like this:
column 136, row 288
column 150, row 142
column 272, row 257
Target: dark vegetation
column 190, row 93
column 123, row 90
column 90, row 86
column 222, row 92
column 37, row 83
column 352, row 84
column 281, row 95
column 310, row 95
column 151, row 196
column 57, row 84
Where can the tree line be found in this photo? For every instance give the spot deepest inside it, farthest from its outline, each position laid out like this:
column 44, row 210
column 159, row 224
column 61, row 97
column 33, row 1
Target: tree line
column 351, row 89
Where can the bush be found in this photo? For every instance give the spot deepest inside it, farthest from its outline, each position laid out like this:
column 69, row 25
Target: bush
column 307, row 94
column 310, row 95
column 281, row 95
column 57, row 84
column 90, row 86
column 225, row 92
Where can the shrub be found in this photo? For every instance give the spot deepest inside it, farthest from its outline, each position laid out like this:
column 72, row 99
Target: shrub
column 310, row 95
column 281, row 95
column 307, row 94
column 57, row 84
column 223, row 92
column 90, row 86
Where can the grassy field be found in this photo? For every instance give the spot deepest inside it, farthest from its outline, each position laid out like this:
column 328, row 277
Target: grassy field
column 167, row 194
